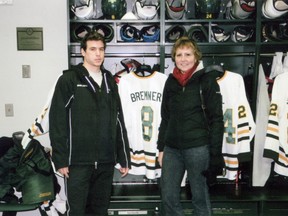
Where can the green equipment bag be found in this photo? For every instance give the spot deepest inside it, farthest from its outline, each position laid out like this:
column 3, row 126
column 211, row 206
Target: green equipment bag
column 36, row 169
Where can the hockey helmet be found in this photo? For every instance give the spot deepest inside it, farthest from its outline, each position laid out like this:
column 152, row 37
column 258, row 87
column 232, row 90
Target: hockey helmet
column 106, row 30
column 175, row 9
column 174, row 32
column 272, row 9
column 129, row 33
column 79, row 31
column 83, row 9
column 129, row 16
column 219, row 34
column 198, row 33
column 113, row 9
column 208, row 9
column 130, row 64
column 242, row 9
column 146, row 10
column 242, row 33
column 150, row 33
column 275, row 31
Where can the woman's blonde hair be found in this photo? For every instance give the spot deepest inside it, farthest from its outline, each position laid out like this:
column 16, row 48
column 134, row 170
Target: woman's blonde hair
column 186, row 42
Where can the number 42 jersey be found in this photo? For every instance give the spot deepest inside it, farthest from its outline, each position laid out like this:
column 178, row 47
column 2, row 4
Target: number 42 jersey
column 239, row 125
column 141, row 98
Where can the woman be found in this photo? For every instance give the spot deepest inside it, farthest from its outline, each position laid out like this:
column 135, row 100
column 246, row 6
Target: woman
column 189, row 139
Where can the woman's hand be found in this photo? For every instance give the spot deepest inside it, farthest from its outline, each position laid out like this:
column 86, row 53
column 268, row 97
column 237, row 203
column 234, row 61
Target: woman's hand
column 160, row 158
column 64, row 171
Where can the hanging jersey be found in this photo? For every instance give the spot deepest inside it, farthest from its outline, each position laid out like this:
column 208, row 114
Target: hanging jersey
column 141, row 99
column 261, row 165
column 276, row 143
column 40, row 125
column 277, row 65
column 239, row 125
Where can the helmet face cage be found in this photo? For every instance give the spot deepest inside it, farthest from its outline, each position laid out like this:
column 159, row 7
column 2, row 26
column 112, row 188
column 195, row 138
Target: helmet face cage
column 81, row 3
column 272, row 9
column 175, row 9
column 83, row 9
column 242, row 9
column 151, row 3
column 146, row 10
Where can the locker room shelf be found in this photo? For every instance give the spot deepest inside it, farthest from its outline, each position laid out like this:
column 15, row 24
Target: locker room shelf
column 246, row 201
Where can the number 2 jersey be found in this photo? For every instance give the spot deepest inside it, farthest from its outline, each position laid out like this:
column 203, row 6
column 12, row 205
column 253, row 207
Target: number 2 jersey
column 141, row 98
column 276, row 143
column 239, row 125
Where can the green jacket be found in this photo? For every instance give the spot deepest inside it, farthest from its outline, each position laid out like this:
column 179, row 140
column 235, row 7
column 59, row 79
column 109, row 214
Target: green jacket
column 184, row 124
column 86, row 122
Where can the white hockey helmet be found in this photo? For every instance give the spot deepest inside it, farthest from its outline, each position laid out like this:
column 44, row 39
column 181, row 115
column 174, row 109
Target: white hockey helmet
column 272, row 9
column 145, row 9
column 83, row 9
column 242, row 9
column 175, row 9
column 218, row 34
column 242, row 33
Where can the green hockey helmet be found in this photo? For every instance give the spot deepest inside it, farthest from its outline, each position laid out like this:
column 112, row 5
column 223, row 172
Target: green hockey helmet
column 113, row 9
column 208, row 9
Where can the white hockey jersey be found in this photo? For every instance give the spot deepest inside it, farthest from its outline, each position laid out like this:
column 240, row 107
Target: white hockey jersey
column 276, row 143
column 141, row 99
column 239, row 125
column 261, row 165
column 40, row 126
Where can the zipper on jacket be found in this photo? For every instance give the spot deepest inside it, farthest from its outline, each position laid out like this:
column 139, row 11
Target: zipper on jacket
column 183, row 88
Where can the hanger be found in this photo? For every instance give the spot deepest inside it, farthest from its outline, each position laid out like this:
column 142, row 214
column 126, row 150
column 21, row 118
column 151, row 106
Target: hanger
column 144, row 69
column 214, row 67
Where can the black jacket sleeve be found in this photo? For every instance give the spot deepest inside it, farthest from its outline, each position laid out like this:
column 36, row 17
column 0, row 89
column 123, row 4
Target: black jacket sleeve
column 213, row 102
column 58, row 123
column 164, row 117
column 123, row 150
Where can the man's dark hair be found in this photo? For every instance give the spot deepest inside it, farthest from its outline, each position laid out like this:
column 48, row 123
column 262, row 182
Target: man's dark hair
column 92, row 36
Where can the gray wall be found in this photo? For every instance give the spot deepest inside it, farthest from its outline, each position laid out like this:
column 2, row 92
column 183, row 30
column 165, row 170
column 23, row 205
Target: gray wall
column 28, row 95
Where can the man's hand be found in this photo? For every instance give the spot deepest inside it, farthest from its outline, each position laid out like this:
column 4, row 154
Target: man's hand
column 64, row 171
column 123, row 171
column 160, row 158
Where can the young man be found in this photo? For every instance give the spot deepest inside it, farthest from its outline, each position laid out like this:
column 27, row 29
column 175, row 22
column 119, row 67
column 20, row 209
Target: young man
column 87, row 131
